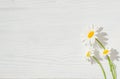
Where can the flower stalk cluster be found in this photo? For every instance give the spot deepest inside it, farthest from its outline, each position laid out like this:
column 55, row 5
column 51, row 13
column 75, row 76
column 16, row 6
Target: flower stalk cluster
column 91, row 40
column 111, row 64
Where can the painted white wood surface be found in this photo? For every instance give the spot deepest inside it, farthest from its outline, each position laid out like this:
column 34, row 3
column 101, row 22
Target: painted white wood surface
column 41, row 38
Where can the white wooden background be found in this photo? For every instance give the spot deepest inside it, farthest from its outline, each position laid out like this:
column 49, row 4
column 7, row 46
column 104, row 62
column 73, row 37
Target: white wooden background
column 41, row 38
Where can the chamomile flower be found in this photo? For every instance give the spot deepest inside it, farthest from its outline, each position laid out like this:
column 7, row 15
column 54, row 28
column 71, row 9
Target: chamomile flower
column 112, row 53
column 89, row 53
column 90, row 36
column 106, row 51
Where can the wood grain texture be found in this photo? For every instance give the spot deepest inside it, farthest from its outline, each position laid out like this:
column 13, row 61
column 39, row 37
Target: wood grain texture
column 41, row 38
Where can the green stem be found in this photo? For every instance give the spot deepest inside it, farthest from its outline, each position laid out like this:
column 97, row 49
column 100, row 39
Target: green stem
column 100, row 43
column 111, row 68
column 103, row 71
column 114, row 68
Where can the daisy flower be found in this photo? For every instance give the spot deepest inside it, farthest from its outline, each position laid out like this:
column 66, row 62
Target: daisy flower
column 106, row 51
column 89, row 53
column 92, row 52
column 90, row 36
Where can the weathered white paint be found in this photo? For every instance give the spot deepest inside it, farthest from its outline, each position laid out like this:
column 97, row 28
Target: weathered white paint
column 41, row 38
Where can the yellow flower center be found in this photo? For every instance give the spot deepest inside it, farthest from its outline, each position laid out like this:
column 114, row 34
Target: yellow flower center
column 106, row 51
column 91, row 34
column 88, row 54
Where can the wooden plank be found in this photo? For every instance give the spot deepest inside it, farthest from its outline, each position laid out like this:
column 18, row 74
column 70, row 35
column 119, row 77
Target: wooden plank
column 41, row 38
